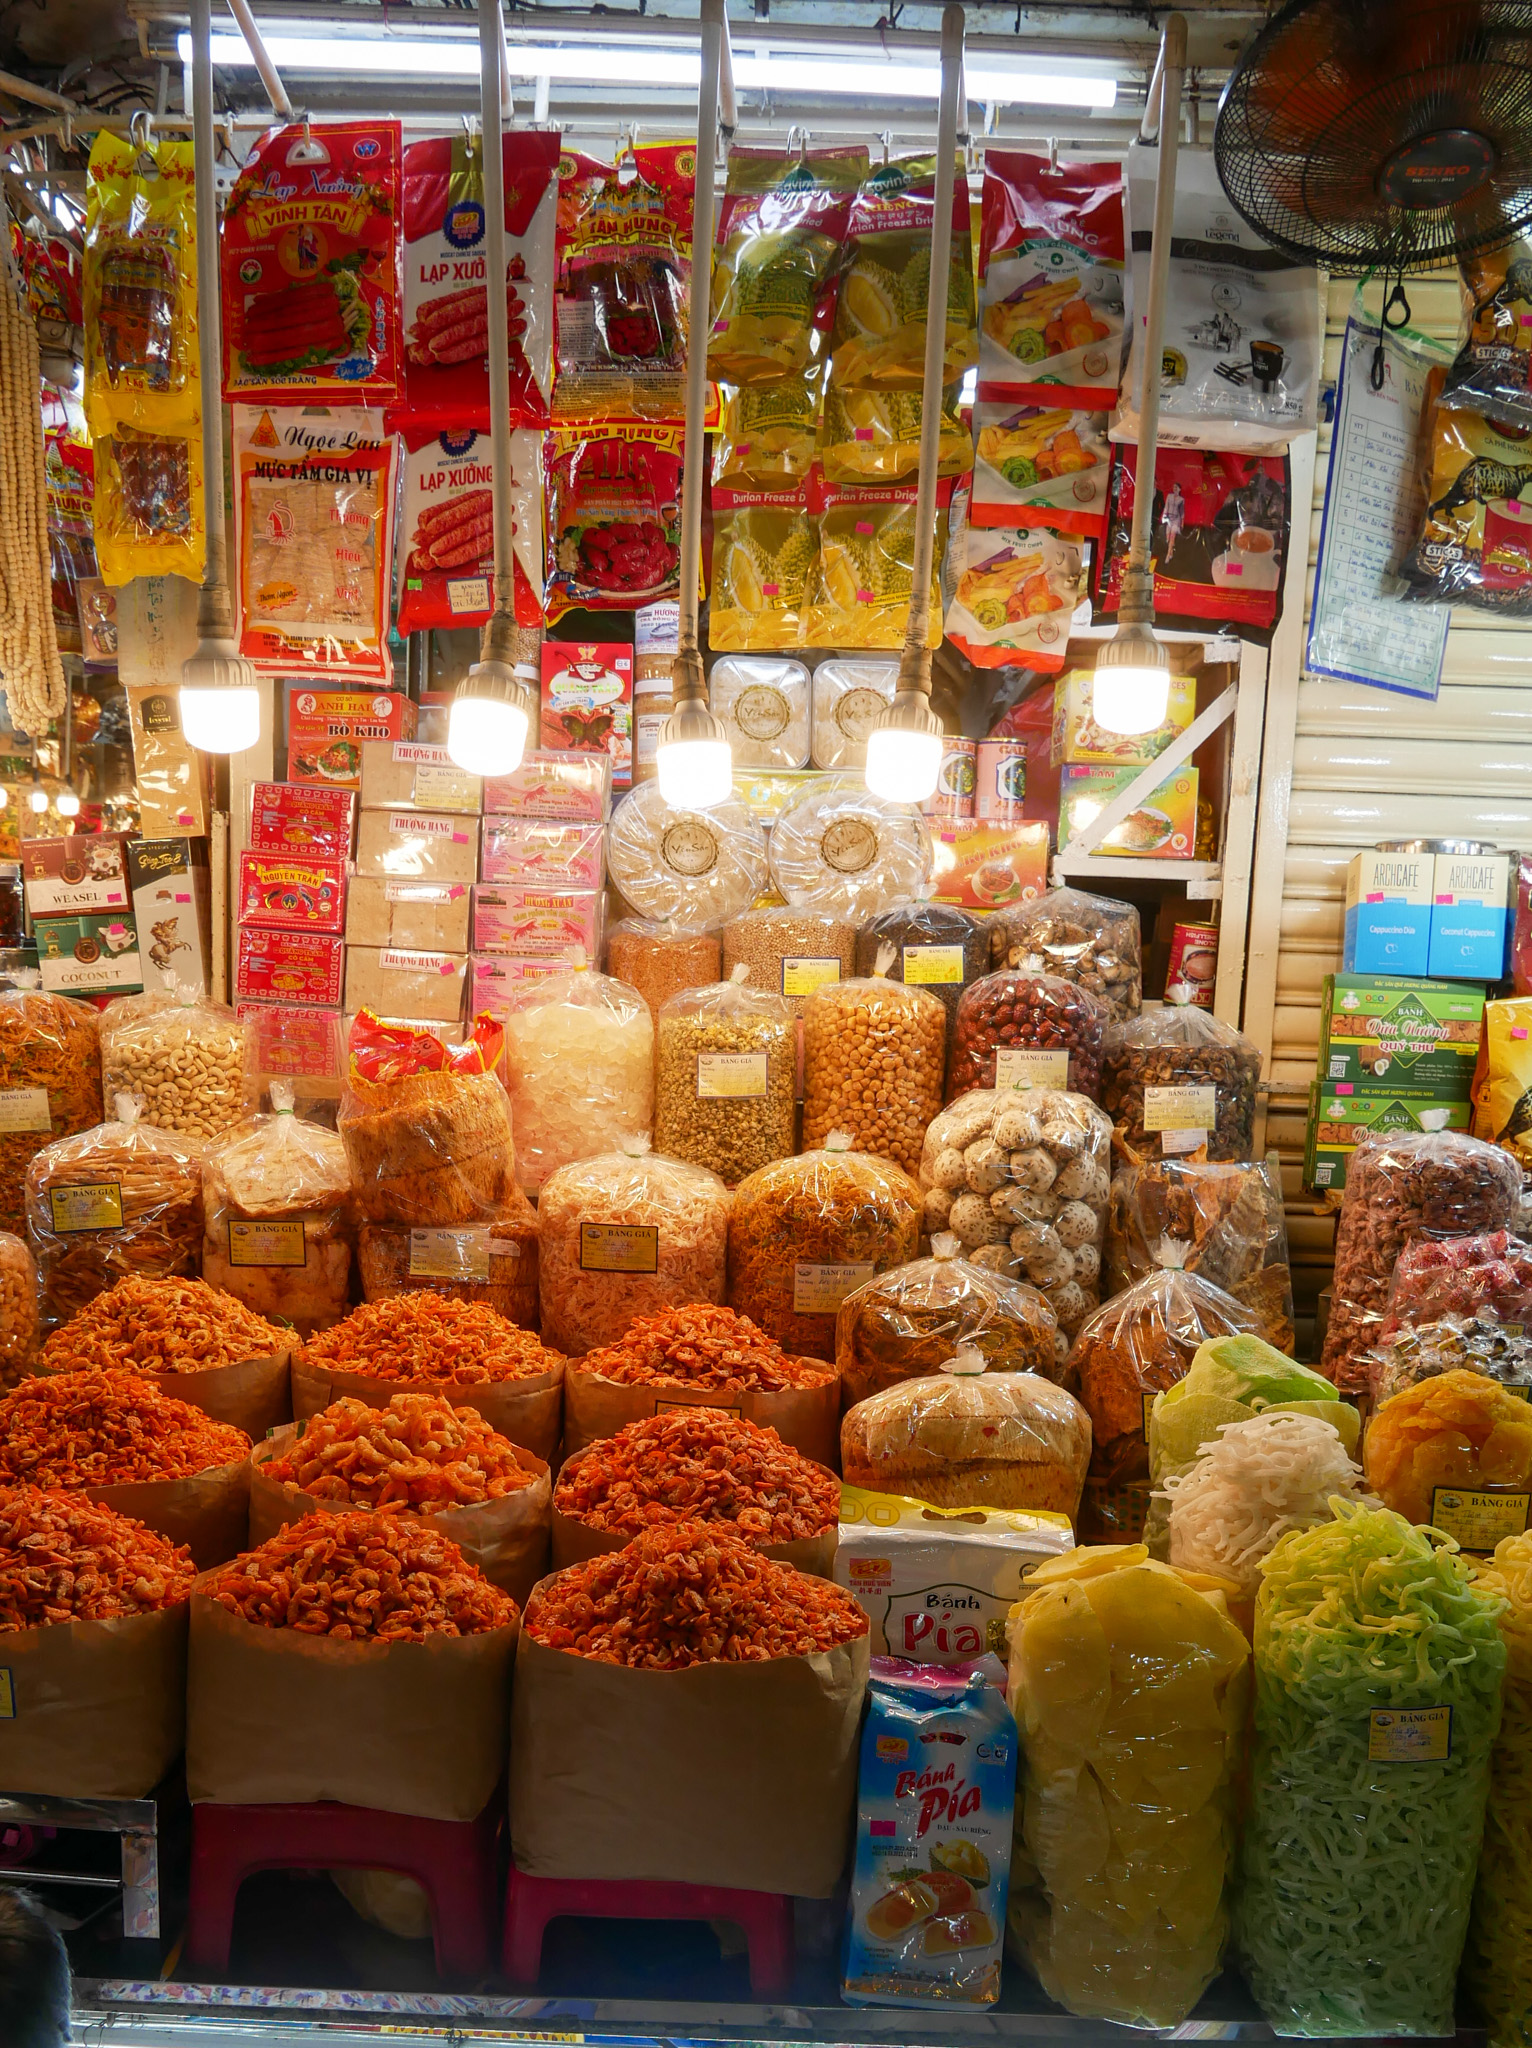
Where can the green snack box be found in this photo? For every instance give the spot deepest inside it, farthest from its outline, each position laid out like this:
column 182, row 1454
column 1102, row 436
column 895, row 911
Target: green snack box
column 1417, row 1039
column 1339, row 1123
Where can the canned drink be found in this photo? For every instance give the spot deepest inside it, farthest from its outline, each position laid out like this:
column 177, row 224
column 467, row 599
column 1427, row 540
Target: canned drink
column 1193, row 965
column 1001, row 784
column 955, row 781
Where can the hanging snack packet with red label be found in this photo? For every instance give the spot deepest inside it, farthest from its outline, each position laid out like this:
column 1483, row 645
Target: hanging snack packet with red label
column 70, row 471
column 614, row 516
column 310, row 266
column 313, row 519
column 1475, row 544
column 1218, row 542
column 447, row 574
column 879, row 336
column 1492, row 372
column 1050, row 281
column 1014, row 592
column 446, row 306
column 1040, row 466
column 625, row 242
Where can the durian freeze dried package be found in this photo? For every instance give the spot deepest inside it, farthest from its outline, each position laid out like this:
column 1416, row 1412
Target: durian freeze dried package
column 766, row 435
column 879, row 336
column 784, row 218
column 871, row 436
column 764, row 551
column 860, row 594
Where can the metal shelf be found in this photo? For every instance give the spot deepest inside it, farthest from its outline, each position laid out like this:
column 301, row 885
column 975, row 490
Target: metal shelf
column 1203, row 878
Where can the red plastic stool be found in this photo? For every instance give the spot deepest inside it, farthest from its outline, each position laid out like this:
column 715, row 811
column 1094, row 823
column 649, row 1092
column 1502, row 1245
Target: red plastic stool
column 453, row 1861
column 765, row 1917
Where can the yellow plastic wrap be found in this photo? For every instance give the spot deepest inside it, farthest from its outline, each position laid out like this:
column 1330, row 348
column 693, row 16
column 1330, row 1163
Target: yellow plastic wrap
column 766, row 438
column 140, row 284
column 1497, row 1962
column 865, row 436
column 1455, row 1452
column 764, row 552
column 1128, row 1682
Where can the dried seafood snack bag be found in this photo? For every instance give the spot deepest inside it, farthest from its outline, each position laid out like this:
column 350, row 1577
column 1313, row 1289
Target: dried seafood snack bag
column 863, row 581
column 725, row 1064
column 914, row 1321
column 1093, row 940
column 311, row 266
column 579, row 1062
column 879, row 335
column 1497, row 1961
column 780, row 229
column 765, row 550
column 874, row 436
column 1492, row 372
column 614, row 513
column 1130, row 1685
column 148, row 505
column 140, row 285
column 1041, row 465
column 624, row 271
column 766, row 436
column 1183, row 1077
column 1223, row 1221
column 1051, row 280
column 446, row 539
column 50, row 1084
column 1013, row 593
column 18, row 1309
column 314, row 523
column 1474, row 546
column 446, row 304
column 426, row 1125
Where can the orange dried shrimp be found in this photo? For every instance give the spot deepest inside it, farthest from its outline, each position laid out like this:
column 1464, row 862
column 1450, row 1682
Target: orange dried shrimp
column 107, row 1429
column 698, row 1464
column 706, row 1347
column 418, row 1452
column 425, row 1336
column 162, row 1326
column 364, row 1577
column 690, row 1594
column 65, row 1558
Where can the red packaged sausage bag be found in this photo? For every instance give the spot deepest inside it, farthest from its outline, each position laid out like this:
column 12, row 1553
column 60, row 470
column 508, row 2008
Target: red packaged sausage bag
column 447, row 567
column 614, row 515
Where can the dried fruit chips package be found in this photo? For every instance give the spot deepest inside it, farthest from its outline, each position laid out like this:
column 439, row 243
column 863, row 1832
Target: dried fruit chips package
column 140, row 286
column 1502, row 1081
column 313, row 524
column 446, row 307
column 1475, row 544
column 1014, row 592
column 1040, row 466
column 447, row 561
column 1050, row 281
column 767, row 433
column 1218, row 541
column 1492, row 373
column 860, row 596
column 614, row 515
column 879, row 336
column 869, row 435
column 764, row 552
column 624, row 269
column 148, row 505
column 310, row 266
column 780, row 230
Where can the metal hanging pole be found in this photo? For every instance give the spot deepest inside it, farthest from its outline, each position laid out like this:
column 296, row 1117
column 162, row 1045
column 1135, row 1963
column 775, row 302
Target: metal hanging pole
column 260, row 57
column 1136, row 606
column 215, row 613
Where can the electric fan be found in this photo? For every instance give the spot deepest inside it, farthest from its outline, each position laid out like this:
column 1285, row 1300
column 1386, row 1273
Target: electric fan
column 1387, row 134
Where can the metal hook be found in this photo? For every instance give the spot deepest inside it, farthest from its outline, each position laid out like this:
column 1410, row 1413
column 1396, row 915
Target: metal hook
column 1053, row 156
column 798, row 140
column 887, row 141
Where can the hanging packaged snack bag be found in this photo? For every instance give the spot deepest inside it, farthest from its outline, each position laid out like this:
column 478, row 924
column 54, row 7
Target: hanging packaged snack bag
column 148, row 505
column 313, row 520
column 784, row 218
column 1475, row 541
column 614, row 516
column 764, row 552
column 624, row 270
column 1040, row 466
column 872, row 436
column 71, row 478
column 1492, row 372
column 447, row 570
column 311, row 268
column 766, row 434
column 446, row 307
column 879, row 336
column 1013, row 592
column 1051, row 281
column 860, row 593
column 140, row 285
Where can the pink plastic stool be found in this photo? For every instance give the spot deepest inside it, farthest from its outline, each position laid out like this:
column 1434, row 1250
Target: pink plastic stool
column 453, row 1861
column 765, row 1917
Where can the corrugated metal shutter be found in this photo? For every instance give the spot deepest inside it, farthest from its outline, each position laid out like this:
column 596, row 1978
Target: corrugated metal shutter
column 1370, row 765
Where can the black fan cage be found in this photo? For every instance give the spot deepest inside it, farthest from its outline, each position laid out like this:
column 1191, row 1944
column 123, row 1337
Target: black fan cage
column 1333, row 91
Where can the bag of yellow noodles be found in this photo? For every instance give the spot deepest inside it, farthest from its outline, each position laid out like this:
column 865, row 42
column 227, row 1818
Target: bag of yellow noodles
column 1377, row 1673
column 859, row 594
column 1497, row 1963
column 764, row 552
column 1128, row 1682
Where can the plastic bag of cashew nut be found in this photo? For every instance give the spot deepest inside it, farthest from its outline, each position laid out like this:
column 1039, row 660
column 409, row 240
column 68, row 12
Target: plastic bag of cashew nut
column 1021, row 1179
column 181, row 1057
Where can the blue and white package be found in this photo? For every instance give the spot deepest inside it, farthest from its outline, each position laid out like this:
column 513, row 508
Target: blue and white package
column 936, row 1790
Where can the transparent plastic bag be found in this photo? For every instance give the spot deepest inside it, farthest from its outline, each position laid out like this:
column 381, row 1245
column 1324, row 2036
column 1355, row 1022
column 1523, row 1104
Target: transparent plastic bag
column 697, row 867
column 661, row 959
column 726, row 1061
column 1456, row 1433
column 849, row 698
column 805, row 1231
column 426, row 1126
column 181, row 1056
column 780, row 230
column 1490, row 1274
column 874, row 436
column 844, row 850
column 18, row 1309
column 791, row 951
column 1230, row 1379
column 937, row 947
column 1130, row 1686
column 1224, row 1222
column 494, row 1262
column 764, row 703
column 874, row 1053
column 50, row 1067
column 968, row 1438
column 623, row 1235
column 277, row 1228
column 1497, row 1962
column 580, row 1065
column 1137, row 1345
column 912, row 1321
column 1093, row 940
column 123, row 1200
column 1019, row 1030
column 1492, row 372
column 1420, row 1183
column 1454, row 1343
column 1145, row 1058
column 1022, row 1181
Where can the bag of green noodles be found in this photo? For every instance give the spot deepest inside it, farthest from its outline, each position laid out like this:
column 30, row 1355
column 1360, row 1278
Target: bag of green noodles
column 1497, row 1964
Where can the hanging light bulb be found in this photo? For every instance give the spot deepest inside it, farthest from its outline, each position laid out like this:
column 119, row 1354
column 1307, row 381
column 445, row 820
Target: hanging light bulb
column 904, row 749
column 38, row 798
column 220, row 702
column 492, row 712
column 1131, row 691
column 68, row 805
column 693, row 760
column 5, row 796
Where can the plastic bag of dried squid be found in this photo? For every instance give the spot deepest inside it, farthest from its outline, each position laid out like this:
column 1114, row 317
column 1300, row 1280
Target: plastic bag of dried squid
column 181, row 1056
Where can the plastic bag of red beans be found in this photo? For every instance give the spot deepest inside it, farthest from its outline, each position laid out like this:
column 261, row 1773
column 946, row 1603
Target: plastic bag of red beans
column 1006, row 1020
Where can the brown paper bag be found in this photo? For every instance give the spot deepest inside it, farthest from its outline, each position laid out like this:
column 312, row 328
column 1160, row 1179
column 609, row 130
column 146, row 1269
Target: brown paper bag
column 253, row 1394
column 528, row 1411
column 207, row 1512
column 272, row 1716
column 507, row 1539
column 93, row 1709
column 575, row 1541
column 808, row 1418
column 731, row 1774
